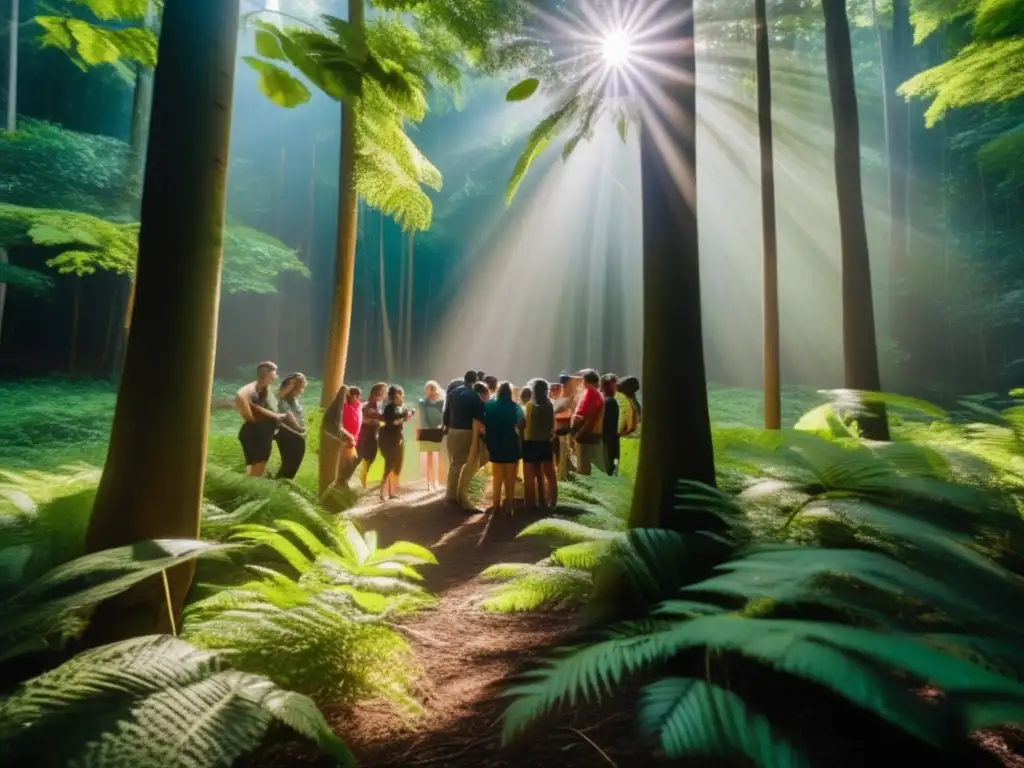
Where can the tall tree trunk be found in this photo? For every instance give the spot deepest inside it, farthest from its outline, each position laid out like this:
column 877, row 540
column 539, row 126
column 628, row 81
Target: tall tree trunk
column 76, row 313
column 142, row 106
column 152, row 484
column 12, row 67
column 770, row 288
column 402, row 274
column 410, row 288
column 860, row 352
column 901, row 304
column 675, row 388
column 12, row 117
column 385, row 324
column 340, row 322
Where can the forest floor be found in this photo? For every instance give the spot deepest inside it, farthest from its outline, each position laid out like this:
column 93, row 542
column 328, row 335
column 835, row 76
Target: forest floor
column 468, row 657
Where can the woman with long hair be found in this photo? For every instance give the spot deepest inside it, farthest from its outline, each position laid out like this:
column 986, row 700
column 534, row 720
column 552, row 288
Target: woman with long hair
column 538, row 450
column 502, row 418
column 333, row 433
column 392, row 440
column 291, row 437
column 430, row 432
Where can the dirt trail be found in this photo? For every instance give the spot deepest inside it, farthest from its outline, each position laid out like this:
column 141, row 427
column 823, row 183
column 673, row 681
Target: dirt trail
column 468, row 655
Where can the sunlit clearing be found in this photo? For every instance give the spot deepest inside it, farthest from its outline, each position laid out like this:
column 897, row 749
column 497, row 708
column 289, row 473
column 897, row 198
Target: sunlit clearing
column 616, row 48
column 556, row 286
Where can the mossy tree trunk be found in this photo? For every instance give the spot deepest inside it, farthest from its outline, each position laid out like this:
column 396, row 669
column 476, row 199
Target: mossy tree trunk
column 152, row 484
column 675, row 442
column 860, row 352
column 339, row 325
column 769, row 243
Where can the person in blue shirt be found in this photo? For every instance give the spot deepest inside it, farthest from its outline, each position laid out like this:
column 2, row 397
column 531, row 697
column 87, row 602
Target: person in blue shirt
column 463, row 416
column 503, row 417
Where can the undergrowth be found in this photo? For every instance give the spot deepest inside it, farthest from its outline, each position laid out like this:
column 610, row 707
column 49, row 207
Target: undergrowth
column 856, row 573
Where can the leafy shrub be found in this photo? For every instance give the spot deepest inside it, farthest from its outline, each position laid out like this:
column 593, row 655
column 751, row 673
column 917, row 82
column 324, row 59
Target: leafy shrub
column 862, row 570
column 313, row 616
column 147, row 701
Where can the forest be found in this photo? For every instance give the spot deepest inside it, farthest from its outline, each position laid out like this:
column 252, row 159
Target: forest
column 799, row 224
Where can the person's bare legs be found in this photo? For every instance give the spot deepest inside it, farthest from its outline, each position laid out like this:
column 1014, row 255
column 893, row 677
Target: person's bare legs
column 549, row 479
column 509, row 473
column 529, row 485
column 431, row 470
column 364, row 471
column 496, row 483
column 257, row 469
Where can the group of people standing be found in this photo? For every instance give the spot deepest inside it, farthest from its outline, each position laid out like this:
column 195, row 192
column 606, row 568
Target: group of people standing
column 537, row 434
column 532, row 436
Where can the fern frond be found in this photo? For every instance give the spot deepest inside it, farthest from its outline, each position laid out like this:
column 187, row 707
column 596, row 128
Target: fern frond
column 31, row 616
column 150, row 701
column 531, row 587
column 697, row 718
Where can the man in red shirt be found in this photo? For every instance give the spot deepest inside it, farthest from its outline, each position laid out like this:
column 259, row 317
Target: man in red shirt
column 588, row 421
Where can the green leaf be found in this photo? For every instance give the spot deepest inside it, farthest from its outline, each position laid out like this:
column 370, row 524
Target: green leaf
column 623, row 125
column 524, row 90
column 696, row 718
column 268, row 47
column 153, row 700
column 278, row 85
column 29, row 615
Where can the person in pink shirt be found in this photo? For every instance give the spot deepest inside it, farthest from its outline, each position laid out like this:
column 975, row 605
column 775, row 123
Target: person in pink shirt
column 351, row 423
column 588, row 421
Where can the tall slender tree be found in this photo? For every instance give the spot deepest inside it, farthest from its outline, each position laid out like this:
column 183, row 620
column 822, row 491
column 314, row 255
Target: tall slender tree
column 674, row 381
column 897, row 119
column 152, row 481
column 860, row 349
column 12, row 117
column 769, row 237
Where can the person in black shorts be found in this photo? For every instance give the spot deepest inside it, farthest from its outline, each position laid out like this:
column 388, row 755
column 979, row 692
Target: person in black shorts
column 291, row 435
column 260, row 417
column 366, row 447
column 392, row 439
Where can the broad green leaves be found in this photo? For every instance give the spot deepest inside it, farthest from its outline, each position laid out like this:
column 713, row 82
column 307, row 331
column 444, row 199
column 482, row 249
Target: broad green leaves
column 981, row 73
column 87, row 244
column 278, row 85
column 524, row 90
column 90, row 45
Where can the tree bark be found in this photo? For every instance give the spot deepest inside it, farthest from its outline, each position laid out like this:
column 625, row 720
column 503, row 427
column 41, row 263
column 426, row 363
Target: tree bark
column 152, row 484
column 410, row 294
column 76, row 311
column 12, row 67
column 385, row 323
column 12, row 115
column 340, row 322
column 770, row 255
column 142, row 106
column 897, row 116
column 675, row 443
column 860, row 351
